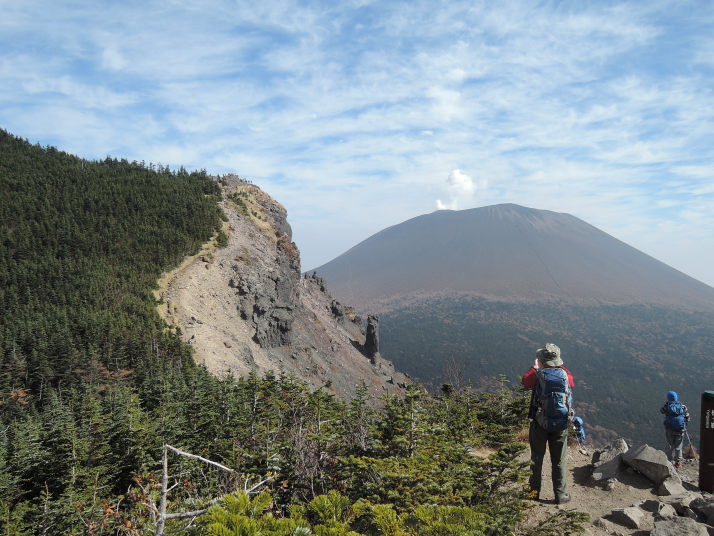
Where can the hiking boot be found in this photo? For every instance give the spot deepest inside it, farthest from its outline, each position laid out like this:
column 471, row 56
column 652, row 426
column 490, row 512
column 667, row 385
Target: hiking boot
column 565, row 497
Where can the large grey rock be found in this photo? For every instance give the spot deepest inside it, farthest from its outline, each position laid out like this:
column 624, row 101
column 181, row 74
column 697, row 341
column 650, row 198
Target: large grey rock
column 611, row 451
column 679, row 526
column 631, row 517
column 607, row 463
column 651, row 505
column 682, row 502
column 658, row 508
column 667, row 512
column 608, row 470
column 704, row 507
column 670, row 486
column 652, row 463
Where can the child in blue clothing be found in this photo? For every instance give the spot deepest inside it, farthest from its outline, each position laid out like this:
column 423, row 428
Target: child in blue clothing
column 676, row 417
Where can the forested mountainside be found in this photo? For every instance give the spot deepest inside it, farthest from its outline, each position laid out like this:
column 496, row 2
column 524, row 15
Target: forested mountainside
column 94, row 383
column 624, row 358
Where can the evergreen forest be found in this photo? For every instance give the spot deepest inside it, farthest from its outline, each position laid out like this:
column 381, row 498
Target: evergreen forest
column 624, row 357
column 94, row 386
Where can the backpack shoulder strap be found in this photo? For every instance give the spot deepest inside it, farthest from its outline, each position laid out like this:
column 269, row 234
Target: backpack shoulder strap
column 540, row 382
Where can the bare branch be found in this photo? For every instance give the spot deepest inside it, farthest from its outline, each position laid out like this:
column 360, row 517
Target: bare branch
column 195, row 513
column 184, row 515
column 196, row 457
column 256, row 486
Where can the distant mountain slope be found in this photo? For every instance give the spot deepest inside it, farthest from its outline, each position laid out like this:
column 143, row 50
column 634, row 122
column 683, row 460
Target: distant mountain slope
column 465, row 296
column 507, row 252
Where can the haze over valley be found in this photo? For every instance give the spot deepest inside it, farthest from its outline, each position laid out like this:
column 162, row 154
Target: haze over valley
column 467, row 295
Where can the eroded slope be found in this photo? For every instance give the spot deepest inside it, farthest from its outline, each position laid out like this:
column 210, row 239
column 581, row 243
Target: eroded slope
column 246, row 307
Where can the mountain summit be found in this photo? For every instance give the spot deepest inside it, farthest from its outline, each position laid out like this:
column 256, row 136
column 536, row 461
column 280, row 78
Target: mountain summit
column 465, row 296
column 507, row 252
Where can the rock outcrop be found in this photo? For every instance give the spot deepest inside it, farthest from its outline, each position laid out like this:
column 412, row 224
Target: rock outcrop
column 607, row 463
column 246, row 307
column 679, row 526
column 679, row 508
column 371, row 343
column 650, row 462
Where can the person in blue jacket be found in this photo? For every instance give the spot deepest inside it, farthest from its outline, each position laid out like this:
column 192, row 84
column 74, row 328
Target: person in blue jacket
column 676, row 417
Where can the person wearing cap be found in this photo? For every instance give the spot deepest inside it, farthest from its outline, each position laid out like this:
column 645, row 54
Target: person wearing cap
column 539, row 438
column 675, row 425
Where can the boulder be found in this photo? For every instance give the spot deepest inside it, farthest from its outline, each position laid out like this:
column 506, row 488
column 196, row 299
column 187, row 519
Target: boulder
column 652, row 463
column 670, row 486
column 608, row 470
column 607, row 463
column 659, row 509
column 704, row 507
column 667, row 512
column 631, row 517
column 651, row 505
column 681, row 503
column 611, row 451
column 679, row 526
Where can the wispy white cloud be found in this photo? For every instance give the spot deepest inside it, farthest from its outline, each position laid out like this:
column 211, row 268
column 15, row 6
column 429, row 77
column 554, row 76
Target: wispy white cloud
column 352, row 114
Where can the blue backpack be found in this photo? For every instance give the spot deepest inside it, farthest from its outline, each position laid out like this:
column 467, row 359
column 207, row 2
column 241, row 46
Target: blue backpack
column 674, row 416
column 554, row 399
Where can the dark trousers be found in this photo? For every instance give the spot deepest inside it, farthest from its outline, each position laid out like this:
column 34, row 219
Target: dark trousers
column 557, row 443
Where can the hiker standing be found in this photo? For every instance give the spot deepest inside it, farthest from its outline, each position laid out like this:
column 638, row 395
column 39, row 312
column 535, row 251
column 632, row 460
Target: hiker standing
column 550, row 415
column 676, row 418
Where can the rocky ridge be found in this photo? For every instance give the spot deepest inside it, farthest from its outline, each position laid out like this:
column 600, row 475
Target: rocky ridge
column 246, row 306
column 631, row 491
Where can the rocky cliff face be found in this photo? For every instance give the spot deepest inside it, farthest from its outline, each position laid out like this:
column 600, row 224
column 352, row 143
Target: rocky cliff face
column 246, row 307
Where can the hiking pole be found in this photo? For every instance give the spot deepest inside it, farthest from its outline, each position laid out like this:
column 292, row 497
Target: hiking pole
column 688, row 439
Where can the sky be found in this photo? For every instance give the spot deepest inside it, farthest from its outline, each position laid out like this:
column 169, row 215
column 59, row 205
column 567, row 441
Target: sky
column 358, row 115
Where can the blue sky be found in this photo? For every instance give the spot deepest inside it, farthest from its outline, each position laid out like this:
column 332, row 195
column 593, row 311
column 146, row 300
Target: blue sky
column 357, row 115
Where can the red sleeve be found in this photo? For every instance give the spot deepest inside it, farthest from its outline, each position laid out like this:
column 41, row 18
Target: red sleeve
column 529, row 379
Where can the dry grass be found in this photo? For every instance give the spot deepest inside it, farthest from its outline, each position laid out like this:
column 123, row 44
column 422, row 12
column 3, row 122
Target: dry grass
column 482, row 452
column 166, row 278
column 522, row 435
column 255, row 200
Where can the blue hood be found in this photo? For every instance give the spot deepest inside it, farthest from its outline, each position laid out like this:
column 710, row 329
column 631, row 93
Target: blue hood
column 672, row 397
